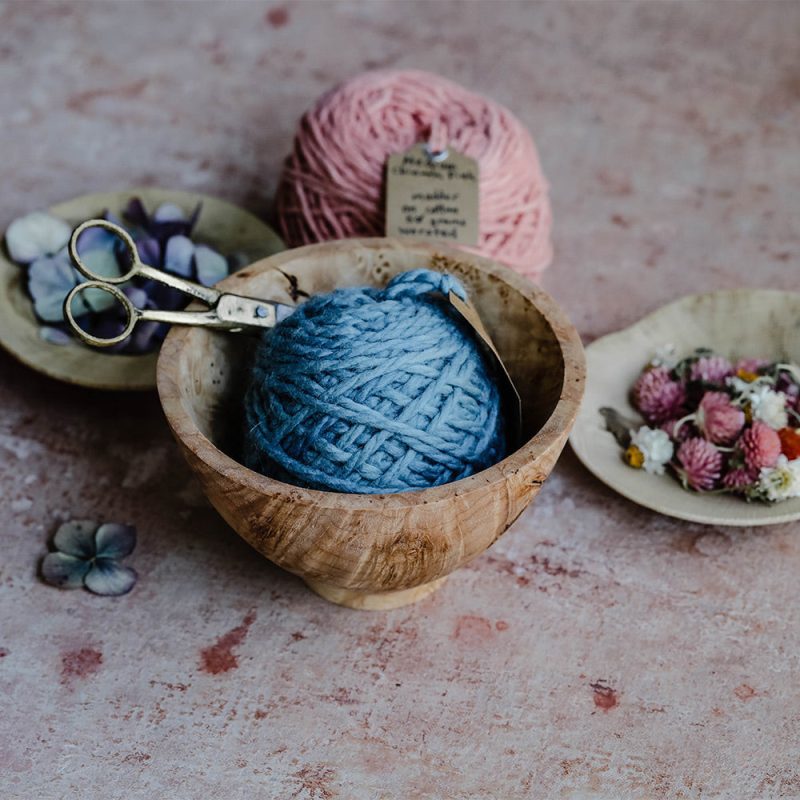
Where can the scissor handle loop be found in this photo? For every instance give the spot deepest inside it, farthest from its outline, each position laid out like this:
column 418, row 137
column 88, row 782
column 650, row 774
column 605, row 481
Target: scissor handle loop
column 123, row 235
column 131, row 313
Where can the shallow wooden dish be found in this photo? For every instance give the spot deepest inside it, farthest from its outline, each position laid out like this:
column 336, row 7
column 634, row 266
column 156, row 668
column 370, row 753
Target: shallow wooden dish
column 736, row 323
column 224, row 226
column 375, row 551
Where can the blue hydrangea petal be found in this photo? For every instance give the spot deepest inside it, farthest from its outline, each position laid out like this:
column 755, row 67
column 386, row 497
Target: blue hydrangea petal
column 96, row 238
column 52, row 335
column 169, row 212
column 114, row 540
column 76, row 538
column 50, row 279
column 102, row 261
column 109, row 578
column 64, row 571
column 112, row 217
column 36, row 235
column 211, row 266
column 178, row 255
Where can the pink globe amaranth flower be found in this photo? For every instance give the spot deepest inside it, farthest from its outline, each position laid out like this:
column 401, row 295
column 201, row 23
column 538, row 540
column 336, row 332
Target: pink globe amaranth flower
column 750, row 364
column 657, row 396
column 739, row 479
column 761, row 446
column 701, row 464
column 718, row 419
column 711, row 369
column 681, row 434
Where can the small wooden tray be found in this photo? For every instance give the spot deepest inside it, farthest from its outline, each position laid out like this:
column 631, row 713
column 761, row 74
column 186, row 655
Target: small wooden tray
column 221, row 225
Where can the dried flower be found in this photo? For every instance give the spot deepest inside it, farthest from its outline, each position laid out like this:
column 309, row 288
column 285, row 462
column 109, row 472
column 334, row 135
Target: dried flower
column 751, row 366
column 36, row 235
column 760, row 446
column 658, row 396
column 730, row 426
column 679, row 429
column 739, row 480
column 38, row 241
column 768, row 406
column 790, row 442
column 782, row 481
column 655, row 447
column 87, row 555
column 718, row 419
column 665, row 356
column 700, row 464
column 711, row 369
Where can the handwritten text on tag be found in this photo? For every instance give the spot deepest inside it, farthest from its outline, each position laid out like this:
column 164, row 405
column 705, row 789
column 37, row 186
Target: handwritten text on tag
column 430, row 199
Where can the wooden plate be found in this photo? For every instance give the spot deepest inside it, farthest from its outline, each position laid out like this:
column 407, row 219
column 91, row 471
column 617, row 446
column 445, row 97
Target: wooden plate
column 739, row 323
column 224, row 226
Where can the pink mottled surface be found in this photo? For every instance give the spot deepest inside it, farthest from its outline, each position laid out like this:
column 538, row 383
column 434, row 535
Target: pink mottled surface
column 598, row 650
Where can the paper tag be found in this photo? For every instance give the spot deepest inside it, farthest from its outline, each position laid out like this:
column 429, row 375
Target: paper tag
column 508, row 392
column 432, row 198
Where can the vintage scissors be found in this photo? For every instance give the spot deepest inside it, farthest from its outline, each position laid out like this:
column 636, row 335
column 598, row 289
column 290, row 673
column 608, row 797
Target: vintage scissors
column 227, row 311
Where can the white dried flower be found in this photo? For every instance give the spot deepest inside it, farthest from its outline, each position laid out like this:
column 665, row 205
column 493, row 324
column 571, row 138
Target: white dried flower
column 782, row 481
column 666, row 356
column 655, row 446
column 769, row 406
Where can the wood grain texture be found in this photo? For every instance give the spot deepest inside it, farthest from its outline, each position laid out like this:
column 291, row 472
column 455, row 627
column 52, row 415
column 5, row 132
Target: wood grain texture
column 224, row 226
column 350, row 545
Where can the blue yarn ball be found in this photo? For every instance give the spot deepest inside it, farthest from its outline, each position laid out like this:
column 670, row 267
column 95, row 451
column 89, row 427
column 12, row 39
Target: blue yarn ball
column 373, row 390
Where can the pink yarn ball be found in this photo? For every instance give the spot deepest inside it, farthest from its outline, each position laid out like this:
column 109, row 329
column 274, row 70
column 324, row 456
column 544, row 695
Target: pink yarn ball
column 333, row 183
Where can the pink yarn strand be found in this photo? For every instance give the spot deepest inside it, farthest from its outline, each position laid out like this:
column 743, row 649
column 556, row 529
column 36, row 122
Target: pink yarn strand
column 332, row 184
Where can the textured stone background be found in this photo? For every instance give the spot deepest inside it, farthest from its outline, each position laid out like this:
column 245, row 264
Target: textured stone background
column 598, row 650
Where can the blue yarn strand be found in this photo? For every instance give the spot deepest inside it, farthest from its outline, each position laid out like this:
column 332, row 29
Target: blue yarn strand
column 373, row 390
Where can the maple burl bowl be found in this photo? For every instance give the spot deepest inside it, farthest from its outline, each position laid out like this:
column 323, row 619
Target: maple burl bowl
column 361, row 550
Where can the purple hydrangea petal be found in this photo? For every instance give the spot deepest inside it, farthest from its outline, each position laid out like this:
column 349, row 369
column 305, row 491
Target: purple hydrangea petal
column 169, row 212
column 114, row 540
column 165, row 297
column 50, row 279
column 149, row 251
column 136, row 295
column 107, row 326
column 136, row 212
column 178, row 256
column 64, row 571
column 112, row 217
column 36, row 235
column 211, row 266
column 52, row 335
column 147, row 337
column 194, row 217
column 109, row 578
column 76, row 538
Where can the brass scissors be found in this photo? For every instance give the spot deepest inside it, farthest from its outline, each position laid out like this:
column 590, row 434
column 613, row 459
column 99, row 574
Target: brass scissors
column 227, row 311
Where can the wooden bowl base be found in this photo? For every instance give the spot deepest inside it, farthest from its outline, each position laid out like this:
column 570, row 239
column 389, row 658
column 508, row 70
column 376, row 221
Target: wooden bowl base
column 373, row 601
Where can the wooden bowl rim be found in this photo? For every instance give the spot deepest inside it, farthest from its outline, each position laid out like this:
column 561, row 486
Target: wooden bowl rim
column 550, row 435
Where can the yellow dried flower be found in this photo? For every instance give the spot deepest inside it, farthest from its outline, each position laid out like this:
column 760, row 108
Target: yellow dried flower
column 634, row 457
column 746, row 375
